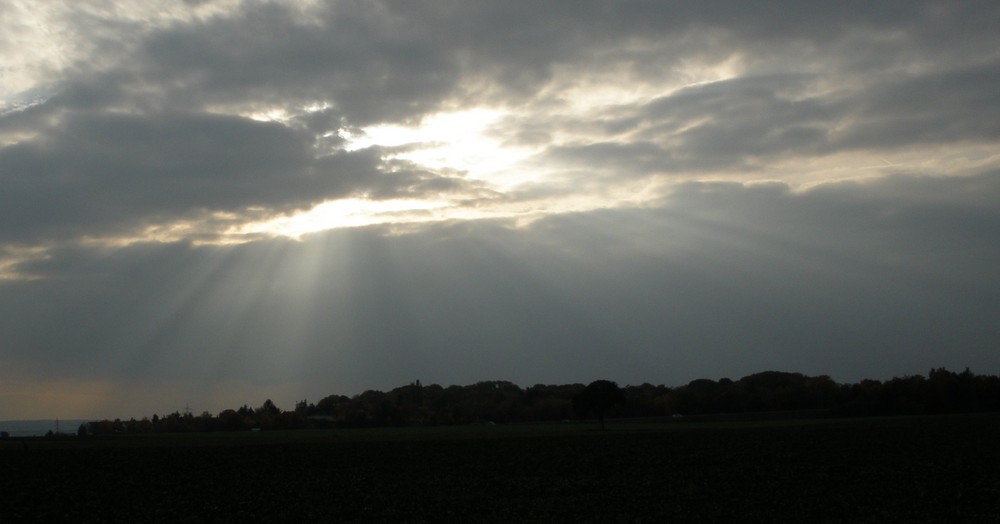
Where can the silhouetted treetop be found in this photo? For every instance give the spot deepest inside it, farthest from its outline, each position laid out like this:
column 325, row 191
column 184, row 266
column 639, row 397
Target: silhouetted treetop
column 415, row 404
column 598, row 397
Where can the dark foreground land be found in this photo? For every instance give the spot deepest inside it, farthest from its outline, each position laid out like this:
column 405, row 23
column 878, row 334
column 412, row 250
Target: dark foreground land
column 927, row 469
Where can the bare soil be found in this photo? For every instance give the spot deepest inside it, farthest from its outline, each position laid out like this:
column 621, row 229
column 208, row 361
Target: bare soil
column 927, row 469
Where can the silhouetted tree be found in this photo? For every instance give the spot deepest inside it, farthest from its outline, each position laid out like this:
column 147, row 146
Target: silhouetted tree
column 269, row 408
column 942, row 391
column 699, row 396
column 230, row 420
column 598, row 397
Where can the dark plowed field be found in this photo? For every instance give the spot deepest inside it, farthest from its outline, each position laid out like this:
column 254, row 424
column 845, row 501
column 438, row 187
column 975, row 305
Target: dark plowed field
column 929, row 469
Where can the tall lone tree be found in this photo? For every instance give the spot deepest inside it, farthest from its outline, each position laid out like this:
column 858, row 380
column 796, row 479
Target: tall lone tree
column 598, row 397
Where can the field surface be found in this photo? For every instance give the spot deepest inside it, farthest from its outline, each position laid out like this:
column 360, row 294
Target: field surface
column 927, row 469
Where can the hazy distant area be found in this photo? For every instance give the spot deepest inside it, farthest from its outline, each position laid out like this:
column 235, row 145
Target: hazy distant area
column 38, row 428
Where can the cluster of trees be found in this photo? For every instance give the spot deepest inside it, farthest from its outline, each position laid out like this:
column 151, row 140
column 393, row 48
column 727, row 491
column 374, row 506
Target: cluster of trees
column 942, row 391
column 267, row 416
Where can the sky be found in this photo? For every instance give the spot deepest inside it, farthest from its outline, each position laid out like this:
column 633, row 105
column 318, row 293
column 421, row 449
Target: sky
column 210, row 203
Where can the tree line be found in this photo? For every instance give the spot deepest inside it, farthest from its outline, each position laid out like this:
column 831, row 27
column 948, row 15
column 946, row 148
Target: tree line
column 502, row 402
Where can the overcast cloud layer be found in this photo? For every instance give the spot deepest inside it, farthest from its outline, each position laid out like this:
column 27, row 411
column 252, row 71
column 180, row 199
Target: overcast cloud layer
column 549, row 192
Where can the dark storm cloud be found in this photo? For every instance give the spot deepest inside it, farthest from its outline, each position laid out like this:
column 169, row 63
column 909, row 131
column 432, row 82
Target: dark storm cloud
column 137, row 136
column 107, row 172
column 935, row 108
column 373, row 65
column 151, row 123
column 101, row 171
column 853, row 279
column 741, row 123
column 390, row 61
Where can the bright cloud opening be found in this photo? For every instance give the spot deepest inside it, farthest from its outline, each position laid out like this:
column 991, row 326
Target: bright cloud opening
column 350, row 212
column 462, row 141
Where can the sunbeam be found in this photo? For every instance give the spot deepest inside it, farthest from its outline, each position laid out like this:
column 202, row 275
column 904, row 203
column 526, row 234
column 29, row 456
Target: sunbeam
column 210, row 203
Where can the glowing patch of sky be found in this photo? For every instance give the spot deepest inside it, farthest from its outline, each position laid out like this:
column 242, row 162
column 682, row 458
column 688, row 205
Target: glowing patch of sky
column 473, row 143
column 351, row 212
column 467, row 142
column 459, row 141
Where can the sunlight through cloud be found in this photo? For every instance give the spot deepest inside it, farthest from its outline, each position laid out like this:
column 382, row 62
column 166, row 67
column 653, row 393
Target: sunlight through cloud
column 351, row 212
column 461, row 141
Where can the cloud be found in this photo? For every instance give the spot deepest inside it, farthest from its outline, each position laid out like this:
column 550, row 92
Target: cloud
column 935, row 108
column 658, row 186
column 852, row 279
column 747, row 124
column 161, row 127
column 371, row 65
column 106, row 173
column 101, row 170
